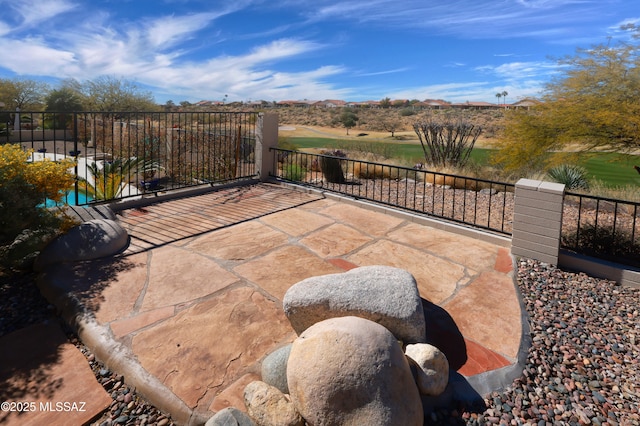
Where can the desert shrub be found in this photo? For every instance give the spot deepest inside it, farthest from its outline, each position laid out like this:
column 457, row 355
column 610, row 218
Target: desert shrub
column 627, row 193
column 617, row 245
column 407, row 112
column 26, row 226
column 573, row 177
column 375, row 171
column 293, row 172
column 447, row 141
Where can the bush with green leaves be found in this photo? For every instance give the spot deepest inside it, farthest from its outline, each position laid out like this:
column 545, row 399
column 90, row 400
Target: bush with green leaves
column 293, row 172
column 572, row 176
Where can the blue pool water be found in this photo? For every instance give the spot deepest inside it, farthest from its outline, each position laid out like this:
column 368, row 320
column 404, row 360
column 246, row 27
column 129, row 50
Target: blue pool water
column 70, row 199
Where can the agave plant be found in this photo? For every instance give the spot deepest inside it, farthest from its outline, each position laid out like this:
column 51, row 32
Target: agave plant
column 109, row 181
column 573, row 177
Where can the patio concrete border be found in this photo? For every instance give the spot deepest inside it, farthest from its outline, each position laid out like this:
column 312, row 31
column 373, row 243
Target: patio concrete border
column 113, row 354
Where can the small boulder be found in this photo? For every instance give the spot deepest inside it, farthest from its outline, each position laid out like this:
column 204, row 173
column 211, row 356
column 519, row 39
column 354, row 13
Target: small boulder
column 267, row 406
column 230, row 416
column 90, row 240
column 383, row 294
column 350, row 370
column 433, row 375
column 274, row 368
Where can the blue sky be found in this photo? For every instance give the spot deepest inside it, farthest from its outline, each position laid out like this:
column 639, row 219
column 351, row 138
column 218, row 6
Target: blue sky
column 457, row 50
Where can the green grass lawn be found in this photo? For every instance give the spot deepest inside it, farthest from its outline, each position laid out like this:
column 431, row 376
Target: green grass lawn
column 613, row 170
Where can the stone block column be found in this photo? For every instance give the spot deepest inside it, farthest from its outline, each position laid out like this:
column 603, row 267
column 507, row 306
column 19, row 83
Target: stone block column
column 266, row 137
column 537, row 220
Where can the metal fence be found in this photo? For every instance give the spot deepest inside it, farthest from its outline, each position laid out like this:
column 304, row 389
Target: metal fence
column 601, row 227
column 480, row 203
column 129, row 154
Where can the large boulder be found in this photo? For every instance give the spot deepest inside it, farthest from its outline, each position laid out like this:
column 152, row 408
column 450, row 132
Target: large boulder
column 90, row 240
column 267, row 406
column 352, row 371
column 383, row 294
column 433, row 375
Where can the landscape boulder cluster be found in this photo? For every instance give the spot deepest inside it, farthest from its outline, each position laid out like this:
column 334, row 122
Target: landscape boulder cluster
column 360, row 357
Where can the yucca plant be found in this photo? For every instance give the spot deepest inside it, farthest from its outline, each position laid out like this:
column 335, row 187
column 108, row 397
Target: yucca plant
column 110, row 180
column 572, row 176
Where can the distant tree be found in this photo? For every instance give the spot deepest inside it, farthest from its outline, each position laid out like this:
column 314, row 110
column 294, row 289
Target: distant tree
column 60, row 102
column 348, row 118
column 111, row 94
column 390, row 125
column 185, row 104
column 385, row 103
column 28, row 95
column 64, row 99
column 169, row 106
column 593, row 103
column 504, row 96
column 498, row 95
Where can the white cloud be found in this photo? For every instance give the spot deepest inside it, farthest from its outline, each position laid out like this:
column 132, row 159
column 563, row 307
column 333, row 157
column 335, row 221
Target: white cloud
column 521, row 70
column 34, row 12
column 32, row 56
column 464, row 18
column 375, row 73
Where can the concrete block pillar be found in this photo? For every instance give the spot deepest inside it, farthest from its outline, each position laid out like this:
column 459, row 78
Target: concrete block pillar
column 537, row 220
column 266, row 137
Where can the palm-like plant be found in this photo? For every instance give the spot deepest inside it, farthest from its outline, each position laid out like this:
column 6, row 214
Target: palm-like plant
column 110, row 180
column 498, row 95
column 573, row 177
column 504, row 95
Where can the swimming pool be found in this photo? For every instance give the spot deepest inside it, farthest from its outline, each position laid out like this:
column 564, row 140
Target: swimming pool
column 69, row 198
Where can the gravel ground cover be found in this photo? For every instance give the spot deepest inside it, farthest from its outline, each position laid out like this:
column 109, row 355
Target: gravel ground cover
column 21, row 305
column 583, row 367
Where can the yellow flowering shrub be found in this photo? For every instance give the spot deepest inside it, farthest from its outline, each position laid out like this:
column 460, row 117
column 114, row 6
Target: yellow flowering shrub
column 26, row 225
column 49, row 178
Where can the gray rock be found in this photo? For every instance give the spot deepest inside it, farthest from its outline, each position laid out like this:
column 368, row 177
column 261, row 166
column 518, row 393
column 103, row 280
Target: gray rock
column 267, row 406
column 352, row 371
column 230, row 417
column 274, row 368
column 433, row 375
column 383, row 294
column 94, row 239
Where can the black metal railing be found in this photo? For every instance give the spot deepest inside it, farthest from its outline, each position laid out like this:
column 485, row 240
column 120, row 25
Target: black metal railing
column 477, row 202
column 602, row 227
column 130, row 154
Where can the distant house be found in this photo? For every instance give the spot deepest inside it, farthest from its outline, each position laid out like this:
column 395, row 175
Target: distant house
column 300, row 104
column 330, row 103
column 476, row 105
column 433, row 104
column 209, row 103
column 364, row 104
column 525, row 103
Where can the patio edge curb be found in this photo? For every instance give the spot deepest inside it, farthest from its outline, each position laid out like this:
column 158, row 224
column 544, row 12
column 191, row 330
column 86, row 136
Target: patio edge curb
column 116, row 356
